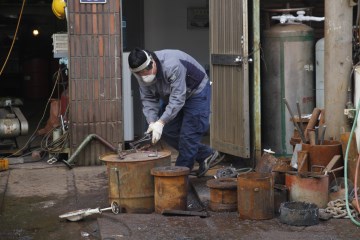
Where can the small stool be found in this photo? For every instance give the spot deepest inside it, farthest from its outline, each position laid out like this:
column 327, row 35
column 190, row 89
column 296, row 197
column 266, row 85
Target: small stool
column 171, row 187
column 223, row 194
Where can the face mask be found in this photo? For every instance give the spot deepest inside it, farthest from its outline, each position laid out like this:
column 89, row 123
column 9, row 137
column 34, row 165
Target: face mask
column 143, row 82
column 148, row 78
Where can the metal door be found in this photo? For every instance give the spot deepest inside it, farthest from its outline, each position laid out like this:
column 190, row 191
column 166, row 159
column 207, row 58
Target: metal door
column 230, row 129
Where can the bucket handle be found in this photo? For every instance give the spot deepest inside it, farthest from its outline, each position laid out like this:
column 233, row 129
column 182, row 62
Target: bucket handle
column 329, row 167
column 317, row 166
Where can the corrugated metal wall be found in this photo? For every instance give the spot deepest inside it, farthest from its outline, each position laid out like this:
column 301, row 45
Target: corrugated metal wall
column 95, row 76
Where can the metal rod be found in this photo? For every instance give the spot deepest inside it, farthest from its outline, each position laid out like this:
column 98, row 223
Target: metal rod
column 118, row 182
column 316, row 135
column 295, row 123
column 300, row 118
column 105, row 209
column 322, row 135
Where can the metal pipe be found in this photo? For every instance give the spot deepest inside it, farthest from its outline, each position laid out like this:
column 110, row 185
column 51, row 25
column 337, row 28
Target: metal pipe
column 290, row 18
column 300, row 118
column 316, row 135
column 256, row 81
column 322, row 135
column 85, row 142
column 303, row 139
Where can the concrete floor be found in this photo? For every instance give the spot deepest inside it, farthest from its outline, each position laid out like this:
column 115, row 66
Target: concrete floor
column 33, row 195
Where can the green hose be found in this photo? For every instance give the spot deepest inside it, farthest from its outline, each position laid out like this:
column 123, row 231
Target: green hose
column 345, row 166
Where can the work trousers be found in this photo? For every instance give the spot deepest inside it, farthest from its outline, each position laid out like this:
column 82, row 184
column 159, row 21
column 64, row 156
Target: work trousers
column 185, row 131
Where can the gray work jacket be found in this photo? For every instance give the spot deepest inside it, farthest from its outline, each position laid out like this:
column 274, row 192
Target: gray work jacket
column 178, row 77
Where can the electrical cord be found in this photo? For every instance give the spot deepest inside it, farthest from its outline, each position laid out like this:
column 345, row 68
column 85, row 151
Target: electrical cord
column 31, row 138
column 54, row 146
column 14, row 38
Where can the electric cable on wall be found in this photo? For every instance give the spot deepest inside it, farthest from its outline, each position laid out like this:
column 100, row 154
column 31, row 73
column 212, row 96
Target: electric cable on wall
column 14, row 38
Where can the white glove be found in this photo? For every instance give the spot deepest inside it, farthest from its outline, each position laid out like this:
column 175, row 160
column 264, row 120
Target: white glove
column 156, row 129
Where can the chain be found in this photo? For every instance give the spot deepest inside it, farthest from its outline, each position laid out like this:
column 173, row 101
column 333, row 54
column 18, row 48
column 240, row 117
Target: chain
column 337, row 208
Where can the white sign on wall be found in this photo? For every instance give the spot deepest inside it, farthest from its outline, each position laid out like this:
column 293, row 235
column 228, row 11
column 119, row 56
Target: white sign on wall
column 92, row 1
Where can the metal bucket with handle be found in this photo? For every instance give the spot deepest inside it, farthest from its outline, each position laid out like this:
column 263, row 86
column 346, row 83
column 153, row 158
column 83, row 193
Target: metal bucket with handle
column 311, row 187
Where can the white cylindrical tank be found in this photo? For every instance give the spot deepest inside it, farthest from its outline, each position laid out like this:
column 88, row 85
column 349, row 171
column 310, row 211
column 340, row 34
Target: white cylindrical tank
column 288, row 72
column 319, row 57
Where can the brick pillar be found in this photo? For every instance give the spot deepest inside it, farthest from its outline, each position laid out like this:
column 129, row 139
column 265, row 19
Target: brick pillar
column 95, row 46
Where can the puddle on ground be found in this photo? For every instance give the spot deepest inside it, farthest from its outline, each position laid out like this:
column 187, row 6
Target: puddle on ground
column 38, row 218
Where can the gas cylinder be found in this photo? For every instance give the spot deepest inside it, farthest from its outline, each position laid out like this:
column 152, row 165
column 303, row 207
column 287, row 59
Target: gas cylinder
column 287, row 72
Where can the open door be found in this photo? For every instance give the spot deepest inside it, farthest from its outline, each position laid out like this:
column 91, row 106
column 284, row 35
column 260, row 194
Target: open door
column 229, row 73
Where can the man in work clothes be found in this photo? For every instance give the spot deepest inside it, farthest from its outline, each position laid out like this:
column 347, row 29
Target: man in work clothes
column 184, row 87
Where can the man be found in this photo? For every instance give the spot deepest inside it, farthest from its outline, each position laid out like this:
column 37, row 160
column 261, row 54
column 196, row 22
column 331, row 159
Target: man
column 183, row 87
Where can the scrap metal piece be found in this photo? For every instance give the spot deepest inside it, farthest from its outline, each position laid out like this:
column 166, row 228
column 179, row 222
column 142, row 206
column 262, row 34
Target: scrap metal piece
column 300, row 117
column 302, row 136
column 169, row 212
column 82, row 213
column 228, row 172
column 266, row 163
column 299, row 213
column 322, row 135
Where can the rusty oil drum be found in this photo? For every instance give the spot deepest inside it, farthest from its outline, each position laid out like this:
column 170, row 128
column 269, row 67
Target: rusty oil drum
column 171, row 187
column 255, row 196
column 131, row 184
column 223, row 194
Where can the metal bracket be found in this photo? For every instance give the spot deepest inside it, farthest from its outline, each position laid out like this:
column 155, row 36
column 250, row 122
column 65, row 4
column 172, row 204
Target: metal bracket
column 350, row 113
column 229, row 59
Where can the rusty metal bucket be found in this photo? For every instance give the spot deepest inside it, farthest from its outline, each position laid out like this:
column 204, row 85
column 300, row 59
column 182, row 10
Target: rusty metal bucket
column 321, row 155
column 223, row 194
column 131, row 184
column 308, row 187
column 171, row 187
column 255, row 195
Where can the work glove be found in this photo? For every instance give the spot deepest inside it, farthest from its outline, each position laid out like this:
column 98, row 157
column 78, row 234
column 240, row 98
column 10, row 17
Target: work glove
column 156, row 128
